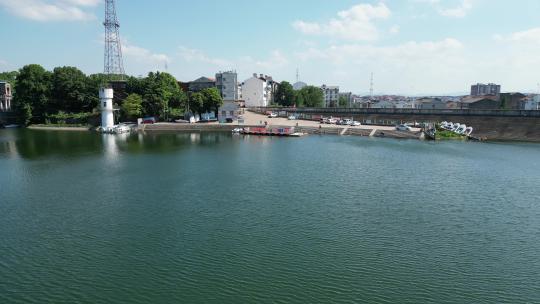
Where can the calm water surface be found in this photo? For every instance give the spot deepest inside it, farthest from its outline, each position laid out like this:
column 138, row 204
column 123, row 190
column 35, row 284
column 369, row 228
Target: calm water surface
column 215, row 218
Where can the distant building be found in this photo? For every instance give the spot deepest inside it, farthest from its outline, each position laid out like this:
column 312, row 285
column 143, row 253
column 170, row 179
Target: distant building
column 227, row 84
column 485, row 89
column 431, row 104
column 331, row 95
column 5, row 96
column 479, row 103
column 201, row 84
column 382, row 104
column 299, row 85
column 530, row 103
column 258, row 91
column 512, row 101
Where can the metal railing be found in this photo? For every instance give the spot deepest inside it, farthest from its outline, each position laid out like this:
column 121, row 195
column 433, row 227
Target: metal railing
column 391, row 111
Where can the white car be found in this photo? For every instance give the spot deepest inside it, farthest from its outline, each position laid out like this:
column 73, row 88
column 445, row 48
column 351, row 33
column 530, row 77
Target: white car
column 356, row 124
column 403, row 128
column 332, row 121
column 272, row 115
column 292, row 117
column 347, row 122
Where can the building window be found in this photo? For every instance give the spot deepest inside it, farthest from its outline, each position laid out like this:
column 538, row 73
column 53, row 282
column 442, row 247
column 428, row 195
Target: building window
column 105, row 104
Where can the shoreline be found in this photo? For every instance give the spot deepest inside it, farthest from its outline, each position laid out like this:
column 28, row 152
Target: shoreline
column 373, row 131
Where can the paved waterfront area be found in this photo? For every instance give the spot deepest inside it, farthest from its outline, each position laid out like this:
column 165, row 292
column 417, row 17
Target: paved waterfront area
column 251, row 118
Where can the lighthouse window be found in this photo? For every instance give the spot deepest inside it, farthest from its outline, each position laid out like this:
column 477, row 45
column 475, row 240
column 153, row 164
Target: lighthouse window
column 105, row 104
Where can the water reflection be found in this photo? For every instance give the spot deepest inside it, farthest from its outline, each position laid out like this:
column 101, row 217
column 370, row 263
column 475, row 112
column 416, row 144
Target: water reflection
column 34, row 144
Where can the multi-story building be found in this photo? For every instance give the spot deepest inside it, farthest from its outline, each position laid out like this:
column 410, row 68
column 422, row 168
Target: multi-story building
column 331, row 95
column 227, row 84
column 5, row 96
column 481, row 89
column 258, row 91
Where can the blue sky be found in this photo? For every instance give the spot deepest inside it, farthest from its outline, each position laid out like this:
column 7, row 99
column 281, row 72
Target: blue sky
column 412, row 46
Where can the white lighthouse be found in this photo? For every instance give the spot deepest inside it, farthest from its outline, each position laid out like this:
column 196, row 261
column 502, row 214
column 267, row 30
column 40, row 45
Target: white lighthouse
column 107, row 112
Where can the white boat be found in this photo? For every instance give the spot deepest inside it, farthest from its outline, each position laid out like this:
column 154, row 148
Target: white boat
column 12, row 126
column 237, row 130
column 122, row 129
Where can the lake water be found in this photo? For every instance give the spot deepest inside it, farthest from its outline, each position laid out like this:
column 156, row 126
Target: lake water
column 217, row 218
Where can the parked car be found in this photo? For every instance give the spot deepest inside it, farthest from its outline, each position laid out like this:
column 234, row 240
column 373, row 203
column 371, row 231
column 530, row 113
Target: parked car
column 356, row 124
column 403, row 128
column 272, row 115
column 332, row 121
column 149, row 120
column 292, row 117
column 347, row 122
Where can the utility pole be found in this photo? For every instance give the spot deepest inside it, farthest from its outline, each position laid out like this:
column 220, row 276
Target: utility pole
column 114, row 65
column 297, row 75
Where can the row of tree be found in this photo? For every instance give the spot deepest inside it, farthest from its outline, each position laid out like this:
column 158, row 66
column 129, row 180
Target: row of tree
column 40, row 95
column 309, row 96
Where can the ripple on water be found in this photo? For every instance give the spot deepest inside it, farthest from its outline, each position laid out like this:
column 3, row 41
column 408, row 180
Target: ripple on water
column 264, row 220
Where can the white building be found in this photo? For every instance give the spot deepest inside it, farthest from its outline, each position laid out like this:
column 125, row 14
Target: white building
column 331, row 95
column 5, row 96
column 258, row 91
column 532, row 103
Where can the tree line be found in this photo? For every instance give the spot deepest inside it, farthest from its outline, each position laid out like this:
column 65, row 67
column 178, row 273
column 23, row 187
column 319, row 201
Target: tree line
column 309, row 96
column 42, row 96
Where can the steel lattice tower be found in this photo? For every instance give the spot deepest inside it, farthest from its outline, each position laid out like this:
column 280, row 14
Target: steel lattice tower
column 114, row 66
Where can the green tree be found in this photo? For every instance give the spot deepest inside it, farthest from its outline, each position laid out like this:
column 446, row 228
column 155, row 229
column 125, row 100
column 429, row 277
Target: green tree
column 298, row 99
column 311, row 97
column 135, row 85
column 503, row 103
column 343, row 102
column 285, row 94
column 10, row 77
column 69, row 91
column 132, row 106
column 212, row 100
column 159, row 89
column 196, row 102
column 33, row 93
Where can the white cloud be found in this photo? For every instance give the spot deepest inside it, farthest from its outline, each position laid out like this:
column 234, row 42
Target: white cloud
column 527, row 36
column 354, row 24
column 194, row 55
column 458, row 12
column 411, row 67
column 394, row 29
column 142, row 59
column 51, row 10
column 274, row 61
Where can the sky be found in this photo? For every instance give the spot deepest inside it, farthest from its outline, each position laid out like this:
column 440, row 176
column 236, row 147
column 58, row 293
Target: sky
column 413, row 47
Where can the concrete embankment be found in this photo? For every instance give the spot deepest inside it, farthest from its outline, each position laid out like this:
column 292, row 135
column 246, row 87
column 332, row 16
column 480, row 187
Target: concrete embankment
column 505, row 125
column 372, row 131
